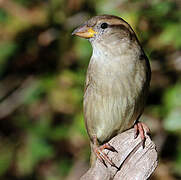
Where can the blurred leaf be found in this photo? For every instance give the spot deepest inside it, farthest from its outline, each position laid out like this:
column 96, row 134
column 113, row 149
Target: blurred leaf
column 33, row 93
column 66, row 97
column 42, row 127
column 7, row 48
column 6, row 155
column 38, row 89
column 171, row 35
column 35, row 150
column 161, row 8
column 177, row 165
column 172, row 122
column 3, row 16
column 172, row 98
column 172, row 101
column 65, row 166
column 79, row 125
column 107, row 7
column 60, row 132
column 27, row 3
column 83, row 49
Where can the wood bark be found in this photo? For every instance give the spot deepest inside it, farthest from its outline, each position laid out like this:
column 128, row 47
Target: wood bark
column 133, row 161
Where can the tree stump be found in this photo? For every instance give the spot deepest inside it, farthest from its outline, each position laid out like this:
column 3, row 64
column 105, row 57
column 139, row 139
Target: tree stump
column 134, row 161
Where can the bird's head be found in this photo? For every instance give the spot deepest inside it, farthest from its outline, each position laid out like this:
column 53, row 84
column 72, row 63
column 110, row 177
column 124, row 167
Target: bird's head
column 104, row 27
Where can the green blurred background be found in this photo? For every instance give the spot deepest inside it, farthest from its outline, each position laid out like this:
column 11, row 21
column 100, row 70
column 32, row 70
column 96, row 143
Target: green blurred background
column 42, row 73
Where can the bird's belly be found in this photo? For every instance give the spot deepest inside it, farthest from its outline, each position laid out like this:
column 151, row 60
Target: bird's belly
column 106, row 114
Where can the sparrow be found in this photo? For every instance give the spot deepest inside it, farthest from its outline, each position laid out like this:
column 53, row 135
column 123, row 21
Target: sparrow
column 117, row 83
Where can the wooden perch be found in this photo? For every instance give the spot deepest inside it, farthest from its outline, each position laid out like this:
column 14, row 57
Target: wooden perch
column 134, row 162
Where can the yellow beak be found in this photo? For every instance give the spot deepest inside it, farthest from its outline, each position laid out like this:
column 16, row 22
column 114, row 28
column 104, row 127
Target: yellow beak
column 84, row 32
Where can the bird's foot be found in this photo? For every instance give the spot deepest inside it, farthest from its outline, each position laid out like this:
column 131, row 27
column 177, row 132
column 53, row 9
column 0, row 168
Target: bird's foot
column 98, row 150
column 142, row 129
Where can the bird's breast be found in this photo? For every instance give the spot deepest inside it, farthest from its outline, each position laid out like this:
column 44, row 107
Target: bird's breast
column 112, row 98
column 112, row 77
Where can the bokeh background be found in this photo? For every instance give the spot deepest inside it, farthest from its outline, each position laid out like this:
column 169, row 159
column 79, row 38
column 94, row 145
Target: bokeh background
column 42, row 73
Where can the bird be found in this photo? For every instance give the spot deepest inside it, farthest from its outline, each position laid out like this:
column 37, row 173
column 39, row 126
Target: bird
column 117, row 83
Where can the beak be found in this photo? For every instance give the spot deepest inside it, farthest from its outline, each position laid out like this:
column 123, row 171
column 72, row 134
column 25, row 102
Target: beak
column 84, row 31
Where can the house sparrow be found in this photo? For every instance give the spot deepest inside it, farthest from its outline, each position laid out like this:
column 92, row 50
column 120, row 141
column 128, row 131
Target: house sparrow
column 117, row 82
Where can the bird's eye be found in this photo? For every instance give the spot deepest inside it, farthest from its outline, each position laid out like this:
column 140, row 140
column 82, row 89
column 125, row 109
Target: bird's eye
column 104, row 25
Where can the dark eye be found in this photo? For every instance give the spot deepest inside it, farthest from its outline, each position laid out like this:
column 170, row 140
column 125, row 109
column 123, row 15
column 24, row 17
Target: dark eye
column 104, row 25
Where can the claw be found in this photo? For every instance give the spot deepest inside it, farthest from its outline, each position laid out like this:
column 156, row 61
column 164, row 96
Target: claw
column 142, row 129
column 102, row 160
column 98, row 150
column 136, row 131
column 109, row 147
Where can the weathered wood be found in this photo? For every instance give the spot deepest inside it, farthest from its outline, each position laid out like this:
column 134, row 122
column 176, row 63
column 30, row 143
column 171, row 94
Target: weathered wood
column 134, row 162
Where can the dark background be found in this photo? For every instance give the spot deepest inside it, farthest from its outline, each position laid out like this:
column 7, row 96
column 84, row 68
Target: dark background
column 42, row 72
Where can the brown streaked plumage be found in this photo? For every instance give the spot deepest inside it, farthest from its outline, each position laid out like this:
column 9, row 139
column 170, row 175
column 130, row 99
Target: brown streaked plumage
column 117, row 81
